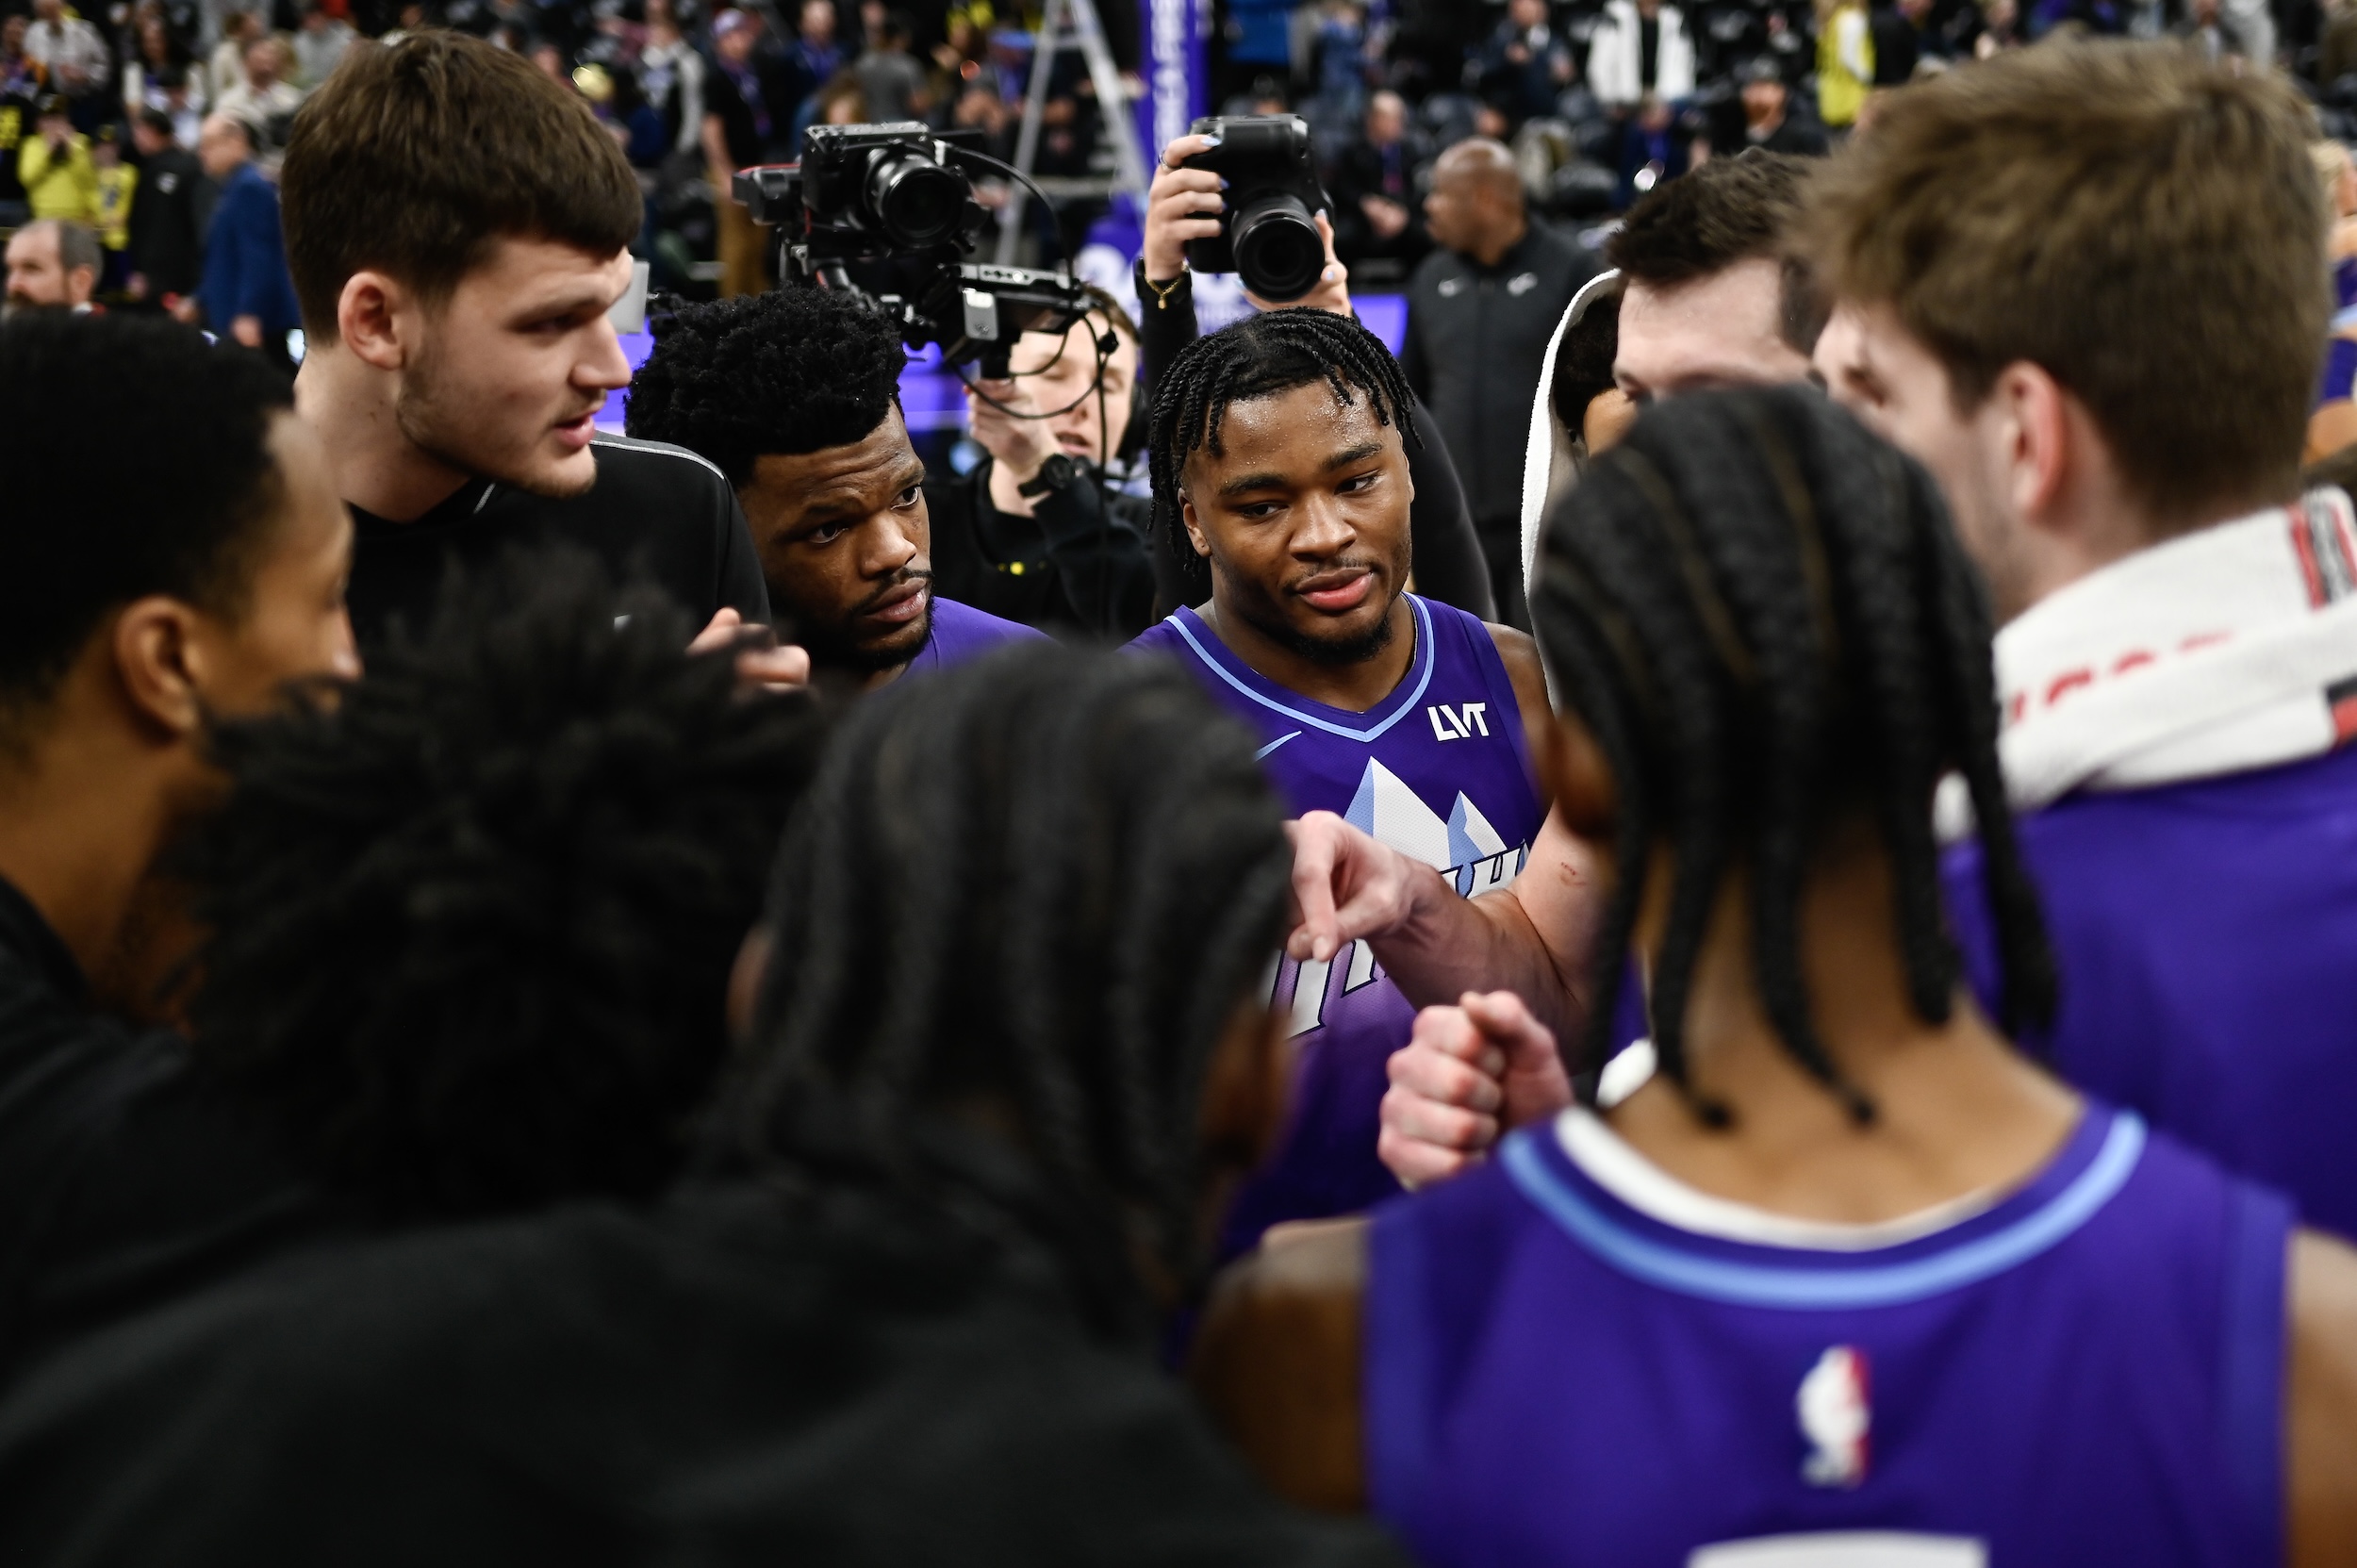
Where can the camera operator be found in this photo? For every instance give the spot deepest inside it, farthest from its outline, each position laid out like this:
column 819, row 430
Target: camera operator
column 1183, row 205
column 456, row 225
column 1032, row 535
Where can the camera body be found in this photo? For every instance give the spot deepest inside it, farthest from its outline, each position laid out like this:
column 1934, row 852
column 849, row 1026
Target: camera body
column 886, row 186
column 890, row 192
column 1266, row 235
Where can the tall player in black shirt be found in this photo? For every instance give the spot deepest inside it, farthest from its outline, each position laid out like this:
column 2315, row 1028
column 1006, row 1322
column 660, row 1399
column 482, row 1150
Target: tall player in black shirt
column 456, row 225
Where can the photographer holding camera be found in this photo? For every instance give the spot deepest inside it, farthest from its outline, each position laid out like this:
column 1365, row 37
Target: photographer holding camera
column 1184, row 209
column 1032, row 535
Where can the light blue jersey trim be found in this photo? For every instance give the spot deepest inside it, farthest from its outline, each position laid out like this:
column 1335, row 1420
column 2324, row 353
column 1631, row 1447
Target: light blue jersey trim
column 1427, row 656
column 1813, row 1290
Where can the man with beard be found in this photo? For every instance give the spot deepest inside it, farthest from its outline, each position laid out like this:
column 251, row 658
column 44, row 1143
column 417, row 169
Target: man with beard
column 456, row 225
column 52, row 266
column 794, row 396
column 1278, row 443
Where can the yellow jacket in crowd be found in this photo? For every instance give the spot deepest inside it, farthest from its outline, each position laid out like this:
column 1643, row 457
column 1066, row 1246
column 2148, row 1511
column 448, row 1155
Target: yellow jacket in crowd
column 115, row 189
column 63, row 187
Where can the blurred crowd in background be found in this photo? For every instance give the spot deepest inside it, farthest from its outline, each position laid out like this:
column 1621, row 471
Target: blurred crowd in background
column 134, row 123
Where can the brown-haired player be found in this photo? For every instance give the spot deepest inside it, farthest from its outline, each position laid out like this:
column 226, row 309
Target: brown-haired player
column 1710, row 295
column 2086, row 286
column 457, row 227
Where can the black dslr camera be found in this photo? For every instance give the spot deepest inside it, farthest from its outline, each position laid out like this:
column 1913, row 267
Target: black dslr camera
column 877, row 193
column 1266, row 235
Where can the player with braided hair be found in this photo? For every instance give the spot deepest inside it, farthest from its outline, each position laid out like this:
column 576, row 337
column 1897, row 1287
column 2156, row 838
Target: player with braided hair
column 1848, row 1247
column 794, row 396
column 1279, row 445
column 1083, row 880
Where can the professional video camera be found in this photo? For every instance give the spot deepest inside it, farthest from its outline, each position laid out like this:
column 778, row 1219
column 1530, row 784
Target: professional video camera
column 1266, row 234
column 890, row 192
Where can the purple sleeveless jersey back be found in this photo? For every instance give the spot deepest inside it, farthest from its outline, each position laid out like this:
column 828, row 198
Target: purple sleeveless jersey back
column 2090, row 1370
column 961, row 632
column 1440, row 771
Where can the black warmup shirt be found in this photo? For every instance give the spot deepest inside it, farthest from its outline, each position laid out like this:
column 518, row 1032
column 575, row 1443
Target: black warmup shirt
column 657, row 514
column 729, row 1380
column 1477, row 337
column 125, row 1179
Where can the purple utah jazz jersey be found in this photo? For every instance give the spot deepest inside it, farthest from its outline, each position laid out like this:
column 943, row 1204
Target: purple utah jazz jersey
column 1437, row 770
column 960, row 633
column 2089, row 1370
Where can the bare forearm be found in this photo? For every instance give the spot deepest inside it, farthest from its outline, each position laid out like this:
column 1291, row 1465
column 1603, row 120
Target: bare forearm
column 1530, row 939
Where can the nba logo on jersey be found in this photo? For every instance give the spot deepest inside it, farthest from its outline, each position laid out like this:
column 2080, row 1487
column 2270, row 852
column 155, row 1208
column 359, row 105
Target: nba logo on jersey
column 1835, row 1418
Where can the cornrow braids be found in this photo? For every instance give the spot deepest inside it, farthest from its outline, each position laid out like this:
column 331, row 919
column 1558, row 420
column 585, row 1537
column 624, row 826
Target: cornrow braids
column 1762, row 616
column 1047, row 879
column 1260, row 356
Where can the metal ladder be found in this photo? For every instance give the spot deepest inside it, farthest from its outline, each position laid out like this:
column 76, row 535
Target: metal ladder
column 1069, row 25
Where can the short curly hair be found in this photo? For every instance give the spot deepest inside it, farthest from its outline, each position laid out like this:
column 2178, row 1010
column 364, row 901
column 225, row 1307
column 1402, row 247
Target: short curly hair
column 471, row 919
column 795, row 369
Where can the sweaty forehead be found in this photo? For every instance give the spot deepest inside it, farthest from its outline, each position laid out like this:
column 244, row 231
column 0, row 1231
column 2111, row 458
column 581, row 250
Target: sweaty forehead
column 1299, row 428
column 873, row 469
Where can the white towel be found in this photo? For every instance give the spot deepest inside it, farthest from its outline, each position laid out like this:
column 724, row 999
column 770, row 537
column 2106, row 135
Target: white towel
column 2229, row 648
column 1538, row 457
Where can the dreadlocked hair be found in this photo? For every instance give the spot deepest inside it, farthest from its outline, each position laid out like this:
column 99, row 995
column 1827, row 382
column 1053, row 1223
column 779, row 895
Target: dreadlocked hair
column 1761, row 612
column 472, row 917
column 1260, row 356
column 1045, row 879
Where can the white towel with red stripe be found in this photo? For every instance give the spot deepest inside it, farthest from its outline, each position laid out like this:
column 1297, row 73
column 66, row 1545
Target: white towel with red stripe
column 2231, row 648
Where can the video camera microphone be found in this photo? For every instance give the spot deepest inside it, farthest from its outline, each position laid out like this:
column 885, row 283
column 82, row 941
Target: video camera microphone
column 891, row 192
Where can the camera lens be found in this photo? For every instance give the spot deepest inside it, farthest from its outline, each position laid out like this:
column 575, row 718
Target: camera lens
column 915, row 200
column 1278, row 254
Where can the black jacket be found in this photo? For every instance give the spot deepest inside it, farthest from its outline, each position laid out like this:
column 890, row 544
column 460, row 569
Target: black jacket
column 1364, row 171
column 124, row 1180
column 1070, row 570
column 1448, row 562
column 749, row 1378
column 1477, row 337
column 168, row 218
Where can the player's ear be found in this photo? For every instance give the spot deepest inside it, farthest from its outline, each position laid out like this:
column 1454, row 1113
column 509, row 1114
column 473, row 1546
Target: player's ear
column 1245, row 1087
column 157, row 646
column 1577, row 775
column 1194, row 529
column 368, row 319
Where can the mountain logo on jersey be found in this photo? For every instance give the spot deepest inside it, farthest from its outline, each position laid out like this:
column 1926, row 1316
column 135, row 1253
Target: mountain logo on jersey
column 1836, row 1417
column 1465, row 848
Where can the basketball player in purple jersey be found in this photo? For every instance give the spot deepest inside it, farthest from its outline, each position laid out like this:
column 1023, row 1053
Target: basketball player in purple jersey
column 2177, row 659
column 1849, row 1281
column 1279, row 444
